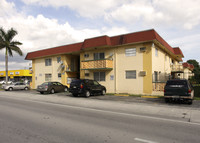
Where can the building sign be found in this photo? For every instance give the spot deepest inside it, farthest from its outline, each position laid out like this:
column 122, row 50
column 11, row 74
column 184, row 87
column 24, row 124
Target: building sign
column 11, row 73
column 1, row 74
column 111, row 77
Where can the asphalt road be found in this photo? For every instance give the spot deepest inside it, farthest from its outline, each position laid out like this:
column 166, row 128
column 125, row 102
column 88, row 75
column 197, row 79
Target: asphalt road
column 35, row 121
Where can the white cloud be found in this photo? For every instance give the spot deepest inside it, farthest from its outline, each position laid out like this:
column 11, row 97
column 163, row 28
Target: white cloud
column 188, row 45
column 150, row 12
column 40, row 32
column 6, row 9
column 174, row 13
column 85, row 8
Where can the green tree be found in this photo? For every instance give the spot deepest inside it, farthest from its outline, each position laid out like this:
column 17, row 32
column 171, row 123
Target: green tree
column 7, row 43
column 196, row 70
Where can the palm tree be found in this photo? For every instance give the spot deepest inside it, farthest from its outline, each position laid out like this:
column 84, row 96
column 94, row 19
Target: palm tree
column 7, row 43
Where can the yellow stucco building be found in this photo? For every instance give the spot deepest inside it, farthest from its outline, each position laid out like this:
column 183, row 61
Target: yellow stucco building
column 134, row 63
column 16, row 75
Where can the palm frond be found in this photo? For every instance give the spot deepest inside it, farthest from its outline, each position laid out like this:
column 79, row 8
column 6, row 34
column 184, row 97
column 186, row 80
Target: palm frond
column 15, row 43
column 11, row 34
column 2, row 34
column 9, row 52
column 16, row 49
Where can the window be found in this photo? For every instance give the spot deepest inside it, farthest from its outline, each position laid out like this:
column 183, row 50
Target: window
column 130, row 52
column 59, row 75
column 156, row 52
column 87, row 74
column 131, row 74
column 99, row 56
column 86, row 55
column 47, row 62
column 99, row 76
column 58, row 83
column 17, row 73
column 47, row 77
column 58, row 59
column 96, row 83
column 155, row 76
column 54, row 83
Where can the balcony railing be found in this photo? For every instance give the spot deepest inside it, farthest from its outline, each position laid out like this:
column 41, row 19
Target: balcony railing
column 105, row 64
column 177, row 68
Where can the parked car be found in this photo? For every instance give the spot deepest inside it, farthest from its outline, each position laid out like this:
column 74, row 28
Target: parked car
column 179, row 89
column 86, row 87
column 52, row 87
column 16, row 86
column 3, row 82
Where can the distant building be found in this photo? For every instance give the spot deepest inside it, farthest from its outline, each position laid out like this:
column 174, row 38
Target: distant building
column 136, row 63
column 16, row 75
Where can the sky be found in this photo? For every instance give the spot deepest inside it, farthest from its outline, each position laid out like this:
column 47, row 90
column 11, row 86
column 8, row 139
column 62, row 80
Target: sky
column 43, row 24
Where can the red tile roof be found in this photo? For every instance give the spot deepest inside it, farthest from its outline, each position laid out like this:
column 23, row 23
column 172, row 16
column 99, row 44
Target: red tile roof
column 96, row 42
column 187, row 65
column 177, row 51
column 142, row 36
column 54, row 51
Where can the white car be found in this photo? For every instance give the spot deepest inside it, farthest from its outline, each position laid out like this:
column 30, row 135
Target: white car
column 16, row 86
column 3, row 82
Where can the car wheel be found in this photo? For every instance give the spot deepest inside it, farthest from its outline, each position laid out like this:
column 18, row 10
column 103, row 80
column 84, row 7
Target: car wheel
column 26, row 88
column 10, row 89
column 41, row 92
column 166, row 100
column 190, row 101
column 66, row 89
column 87, row 93
column 52, row 91
column 103, row 92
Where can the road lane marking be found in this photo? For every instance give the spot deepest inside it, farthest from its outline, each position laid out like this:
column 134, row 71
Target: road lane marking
column 106, row 111
column 144, row 141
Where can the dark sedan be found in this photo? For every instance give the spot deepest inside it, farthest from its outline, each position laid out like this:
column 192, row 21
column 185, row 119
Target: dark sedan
column 52, row 87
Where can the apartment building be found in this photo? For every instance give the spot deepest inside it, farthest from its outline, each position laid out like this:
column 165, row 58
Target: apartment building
column 134, row 63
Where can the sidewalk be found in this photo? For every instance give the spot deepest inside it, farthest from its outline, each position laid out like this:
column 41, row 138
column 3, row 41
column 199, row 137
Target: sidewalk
column 163, row 111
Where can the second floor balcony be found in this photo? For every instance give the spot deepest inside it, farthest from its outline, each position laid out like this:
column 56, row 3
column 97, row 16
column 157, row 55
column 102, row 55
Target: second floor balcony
column 104, row 64
column 177, row 68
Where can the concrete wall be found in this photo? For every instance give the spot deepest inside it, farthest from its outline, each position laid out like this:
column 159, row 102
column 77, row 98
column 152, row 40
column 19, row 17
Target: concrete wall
column 39, row 70
column 115, row 80
column 123, row 64
column 160, row 63
column 109, row 53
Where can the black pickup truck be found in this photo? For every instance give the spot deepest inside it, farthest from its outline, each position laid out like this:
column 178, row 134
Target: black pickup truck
column 178, row 89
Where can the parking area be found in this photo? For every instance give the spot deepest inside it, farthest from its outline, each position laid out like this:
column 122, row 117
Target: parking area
column 127, row 99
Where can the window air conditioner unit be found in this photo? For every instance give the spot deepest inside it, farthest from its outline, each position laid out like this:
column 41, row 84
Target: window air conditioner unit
column 143, row 73
column 61, row 62
column 142, row 49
